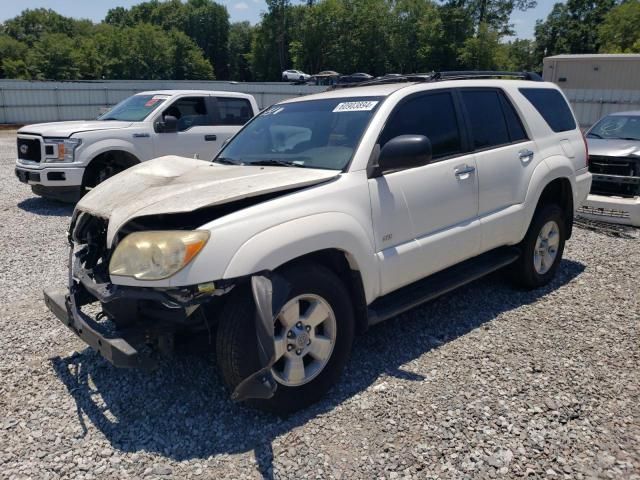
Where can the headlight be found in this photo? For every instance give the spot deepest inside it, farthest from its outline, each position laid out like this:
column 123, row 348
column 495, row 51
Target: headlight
column 155, row 255
column 60, row 150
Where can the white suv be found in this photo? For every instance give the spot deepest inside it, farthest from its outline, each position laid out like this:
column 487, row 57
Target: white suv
column 322, row 216
column 62, row 160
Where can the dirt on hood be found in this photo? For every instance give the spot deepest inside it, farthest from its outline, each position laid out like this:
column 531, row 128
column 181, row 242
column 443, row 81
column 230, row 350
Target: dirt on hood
column 174, row 184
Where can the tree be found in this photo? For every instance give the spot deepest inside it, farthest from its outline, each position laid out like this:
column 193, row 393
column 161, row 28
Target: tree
column 483, row 51
column 12, row 56
column 240, row 34
column 204, row 21
column 571, row 28
column 619, row 31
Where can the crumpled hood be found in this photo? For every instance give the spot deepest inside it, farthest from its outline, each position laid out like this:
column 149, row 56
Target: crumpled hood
column 66, row 129
column 174, row 184
column 613, row 148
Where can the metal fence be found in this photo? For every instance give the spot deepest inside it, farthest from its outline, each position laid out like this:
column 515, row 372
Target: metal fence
column 591, row 105
column 23, row 102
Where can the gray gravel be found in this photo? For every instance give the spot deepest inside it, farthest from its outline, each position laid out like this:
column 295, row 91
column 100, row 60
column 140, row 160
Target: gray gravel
column 487, row 382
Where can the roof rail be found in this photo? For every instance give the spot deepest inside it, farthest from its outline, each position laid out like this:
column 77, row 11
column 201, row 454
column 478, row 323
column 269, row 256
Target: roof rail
column 470, row 74
column 440, row 76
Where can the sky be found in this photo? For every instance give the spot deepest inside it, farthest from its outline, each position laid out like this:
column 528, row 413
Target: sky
column 239, row 10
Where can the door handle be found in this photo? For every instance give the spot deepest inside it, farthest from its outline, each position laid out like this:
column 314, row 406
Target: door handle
column 463, row 172
column 525, row 155
column 210, row 138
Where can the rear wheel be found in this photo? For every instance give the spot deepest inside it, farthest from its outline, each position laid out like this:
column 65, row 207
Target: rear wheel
column 313, row 333
column 542, row 248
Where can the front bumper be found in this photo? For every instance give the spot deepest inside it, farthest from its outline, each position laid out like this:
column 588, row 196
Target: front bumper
column 50, row 175
column 624, row 211
column 116, row 350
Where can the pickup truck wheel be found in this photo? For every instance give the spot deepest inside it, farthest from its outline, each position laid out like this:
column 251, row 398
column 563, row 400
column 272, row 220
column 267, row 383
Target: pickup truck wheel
column 542, row 248
column 313, row 334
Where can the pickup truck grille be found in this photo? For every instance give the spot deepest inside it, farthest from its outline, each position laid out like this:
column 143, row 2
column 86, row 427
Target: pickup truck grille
column 29, row 149
column 618, row 176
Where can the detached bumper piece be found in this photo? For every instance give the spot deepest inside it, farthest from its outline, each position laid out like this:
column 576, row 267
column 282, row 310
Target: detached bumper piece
column 117, row 351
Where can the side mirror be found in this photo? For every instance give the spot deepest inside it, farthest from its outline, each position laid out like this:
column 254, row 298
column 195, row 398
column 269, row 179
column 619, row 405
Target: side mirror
column 404, row 151
column 169, row 123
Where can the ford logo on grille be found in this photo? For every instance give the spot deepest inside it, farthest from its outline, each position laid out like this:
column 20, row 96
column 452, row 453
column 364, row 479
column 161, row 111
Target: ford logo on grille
column 24, row 148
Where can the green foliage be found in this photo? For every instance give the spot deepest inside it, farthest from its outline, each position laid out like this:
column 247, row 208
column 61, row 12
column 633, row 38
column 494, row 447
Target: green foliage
column 619, row 33
column 192, row 39
column 571, row 28
column 41, row 44
column 240, row 35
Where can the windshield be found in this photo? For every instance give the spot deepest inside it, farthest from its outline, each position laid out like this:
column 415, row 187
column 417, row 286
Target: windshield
column 618, row 127
column 312, row 134
column 134, row 109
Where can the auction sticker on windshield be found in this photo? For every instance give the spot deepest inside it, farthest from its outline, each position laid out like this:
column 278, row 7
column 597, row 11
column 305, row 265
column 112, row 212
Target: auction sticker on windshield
column 155, row 99
column 363, row 106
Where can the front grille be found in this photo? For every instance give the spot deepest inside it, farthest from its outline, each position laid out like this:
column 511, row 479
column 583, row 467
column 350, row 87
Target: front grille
column 604, row 212
column 619, row 176
column 29, row 149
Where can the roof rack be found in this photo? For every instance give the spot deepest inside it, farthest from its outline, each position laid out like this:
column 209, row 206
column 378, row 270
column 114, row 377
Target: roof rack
column 470, row 74
column 441, row 76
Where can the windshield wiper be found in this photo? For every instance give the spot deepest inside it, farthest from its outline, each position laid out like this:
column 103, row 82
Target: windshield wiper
column 594, row 135
column 227, row 161
column 276, row 162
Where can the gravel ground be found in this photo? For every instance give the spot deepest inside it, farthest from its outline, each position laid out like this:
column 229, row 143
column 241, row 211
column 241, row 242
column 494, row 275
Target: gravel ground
column 487, row 382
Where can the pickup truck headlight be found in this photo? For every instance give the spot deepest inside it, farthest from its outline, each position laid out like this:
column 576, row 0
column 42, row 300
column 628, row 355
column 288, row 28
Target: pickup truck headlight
column 66, row 149
column 155, row 255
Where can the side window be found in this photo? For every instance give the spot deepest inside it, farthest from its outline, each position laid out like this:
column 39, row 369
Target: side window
column 514, row 124
column 552, row 106
column 488, row 125
column 234, row 111
column 190, row 112
column 432, row 115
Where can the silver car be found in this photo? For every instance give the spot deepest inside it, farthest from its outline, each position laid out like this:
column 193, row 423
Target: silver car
column 614, row 161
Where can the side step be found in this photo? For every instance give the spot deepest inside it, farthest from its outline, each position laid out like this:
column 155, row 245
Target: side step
column 439, row 283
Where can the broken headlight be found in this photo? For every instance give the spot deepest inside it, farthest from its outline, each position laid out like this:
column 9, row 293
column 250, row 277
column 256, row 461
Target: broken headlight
column 155, row 255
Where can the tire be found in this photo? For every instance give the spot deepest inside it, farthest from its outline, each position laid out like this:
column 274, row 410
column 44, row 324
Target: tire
column 236, row 343
column 534, row 271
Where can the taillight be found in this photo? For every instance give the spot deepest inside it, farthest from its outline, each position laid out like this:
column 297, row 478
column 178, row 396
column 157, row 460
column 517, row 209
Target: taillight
column 586, row 149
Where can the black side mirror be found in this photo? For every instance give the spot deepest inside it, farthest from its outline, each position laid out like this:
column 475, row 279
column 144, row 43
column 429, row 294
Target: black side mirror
column 169, row 123
column 404, row 151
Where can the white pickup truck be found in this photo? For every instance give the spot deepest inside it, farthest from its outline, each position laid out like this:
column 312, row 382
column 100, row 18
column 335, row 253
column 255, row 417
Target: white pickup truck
column 63, row 160
column 324, row 215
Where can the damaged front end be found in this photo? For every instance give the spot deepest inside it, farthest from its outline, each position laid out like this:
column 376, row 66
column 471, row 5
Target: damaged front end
column 132, row 327
column 127, row 325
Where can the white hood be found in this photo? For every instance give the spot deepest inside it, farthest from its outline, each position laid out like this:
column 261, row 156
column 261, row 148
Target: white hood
column 175, row 184
column 66, row 129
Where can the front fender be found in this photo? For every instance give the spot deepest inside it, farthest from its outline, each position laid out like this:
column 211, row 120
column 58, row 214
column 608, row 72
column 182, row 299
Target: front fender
column 109, row 145
column 282, row 243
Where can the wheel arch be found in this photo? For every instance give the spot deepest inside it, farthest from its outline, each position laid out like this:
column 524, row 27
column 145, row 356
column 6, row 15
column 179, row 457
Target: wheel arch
column 552, row 181
column 119, row 157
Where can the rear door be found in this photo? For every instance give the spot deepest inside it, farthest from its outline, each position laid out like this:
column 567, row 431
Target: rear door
column 230, row 114
column 505, row 158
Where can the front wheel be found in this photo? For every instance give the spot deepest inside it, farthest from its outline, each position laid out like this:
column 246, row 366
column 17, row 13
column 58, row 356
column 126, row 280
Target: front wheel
column 542, row 248
column 313, row 333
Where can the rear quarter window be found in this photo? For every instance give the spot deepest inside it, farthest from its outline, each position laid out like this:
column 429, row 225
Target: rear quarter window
column 552, row 106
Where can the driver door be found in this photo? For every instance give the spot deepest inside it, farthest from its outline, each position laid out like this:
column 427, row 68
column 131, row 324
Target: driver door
column 195, row 136
column 425, row 218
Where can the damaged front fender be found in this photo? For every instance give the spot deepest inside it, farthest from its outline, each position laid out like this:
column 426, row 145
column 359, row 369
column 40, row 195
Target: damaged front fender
column 270, row 292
